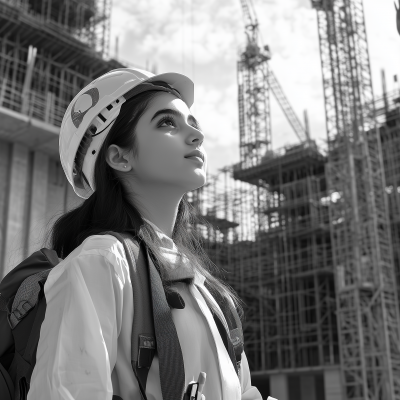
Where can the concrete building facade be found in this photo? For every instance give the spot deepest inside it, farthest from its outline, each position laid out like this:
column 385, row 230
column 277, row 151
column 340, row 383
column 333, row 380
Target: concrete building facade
column 48, row 52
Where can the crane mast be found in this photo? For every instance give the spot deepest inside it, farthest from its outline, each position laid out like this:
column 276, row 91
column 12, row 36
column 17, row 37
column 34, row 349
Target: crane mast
column 366, row 293
column 255, row 79
column 254, row 98
column 250, row 21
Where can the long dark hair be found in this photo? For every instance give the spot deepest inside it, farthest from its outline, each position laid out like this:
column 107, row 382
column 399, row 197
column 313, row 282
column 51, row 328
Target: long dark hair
column 94, row 215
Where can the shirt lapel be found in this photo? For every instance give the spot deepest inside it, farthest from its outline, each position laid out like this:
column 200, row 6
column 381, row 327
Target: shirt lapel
column 230, row 381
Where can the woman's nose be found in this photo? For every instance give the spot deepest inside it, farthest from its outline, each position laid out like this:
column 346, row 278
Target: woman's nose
column 195, row 135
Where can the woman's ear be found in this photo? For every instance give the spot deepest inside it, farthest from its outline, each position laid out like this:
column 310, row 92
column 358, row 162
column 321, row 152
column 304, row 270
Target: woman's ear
column 117, row 158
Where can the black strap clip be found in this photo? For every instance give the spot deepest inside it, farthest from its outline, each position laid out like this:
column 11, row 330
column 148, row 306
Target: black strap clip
column 147, row 349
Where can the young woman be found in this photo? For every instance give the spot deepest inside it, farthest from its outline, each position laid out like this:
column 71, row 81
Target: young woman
column 131, row 148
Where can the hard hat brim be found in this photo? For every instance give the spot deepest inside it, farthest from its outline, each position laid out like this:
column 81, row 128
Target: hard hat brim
column 181, row 83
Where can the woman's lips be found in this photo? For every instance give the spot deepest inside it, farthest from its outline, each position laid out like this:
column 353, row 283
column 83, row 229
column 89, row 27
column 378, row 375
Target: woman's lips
column 195, row 158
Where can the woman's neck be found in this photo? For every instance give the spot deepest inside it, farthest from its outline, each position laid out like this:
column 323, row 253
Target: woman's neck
column 158, row 205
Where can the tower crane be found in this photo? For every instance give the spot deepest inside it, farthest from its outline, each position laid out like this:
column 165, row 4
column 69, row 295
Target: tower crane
column 255, row 79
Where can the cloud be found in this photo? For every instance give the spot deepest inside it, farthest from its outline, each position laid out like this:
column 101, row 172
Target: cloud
column 169, row 31
column 217, row 113
column 201, row 38
column 384, row 42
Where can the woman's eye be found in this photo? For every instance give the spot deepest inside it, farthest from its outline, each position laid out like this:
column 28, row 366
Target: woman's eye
column 166, row 122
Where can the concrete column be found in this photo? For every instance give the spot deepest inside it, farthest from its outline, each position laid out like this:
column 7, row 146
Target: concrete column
column 279, row 386
column 38, row 204
column 307, row 387
column 16, row 216
column 333, row 384
column 5, row 155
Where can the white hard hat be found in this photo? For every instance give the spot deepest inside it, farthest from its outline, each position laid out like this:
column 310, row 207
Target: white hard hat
column 95, row 108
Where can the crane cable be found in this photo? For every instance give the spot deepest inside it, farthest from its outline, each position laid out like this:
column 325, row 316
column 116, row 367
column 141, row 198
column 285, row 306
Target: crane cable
column 183, row 36
column 192, row 38
column 192, row 56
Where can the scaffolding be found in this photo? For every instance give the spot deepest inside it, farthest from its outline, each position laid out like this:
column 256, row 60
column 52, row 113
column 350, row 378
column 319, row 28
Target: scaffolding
column 367, row 307
column 317, row 267
column 83, row 21
column 294, row 260
column 271, row 238
column 230, row 209
column 49, row 50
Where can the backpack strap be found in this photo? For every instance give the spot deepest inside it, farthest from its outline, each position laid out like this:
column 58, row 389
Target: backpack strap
column 227, row 342
column 26, row 337
column 143, row 337
column 4, row 304
column 6, row 384
column 152, row 323
column 25, row 314
column 26, row 297
column 172, row 370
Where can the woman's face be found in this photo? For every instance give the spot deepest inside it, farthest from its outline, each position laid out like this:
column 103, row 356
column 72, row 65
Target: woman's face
column 166, row 133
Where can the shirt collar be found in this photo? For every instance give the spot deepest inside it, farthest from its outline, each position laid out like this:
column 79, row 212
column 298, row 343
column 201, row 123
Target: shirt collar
column 166, row 240
column 180, row 264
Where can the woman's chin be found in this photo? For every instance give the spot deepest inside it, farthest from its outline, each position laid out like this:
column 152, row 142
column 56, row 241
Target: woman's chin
column 198, row 181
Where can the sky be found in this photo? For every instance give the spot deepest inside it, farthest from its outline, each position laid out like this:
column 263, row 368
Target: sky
column 203, row 39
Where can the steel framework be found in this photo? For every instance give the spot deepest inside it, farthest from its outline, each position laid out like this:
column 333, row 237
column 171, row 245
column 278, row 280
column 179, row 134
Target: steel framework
column 293, row 319
column 367, row 307
column 269, row 232
column 49, row 50
column 85, row 20
column 297, row 261
column 288, row 278
column 230, row 209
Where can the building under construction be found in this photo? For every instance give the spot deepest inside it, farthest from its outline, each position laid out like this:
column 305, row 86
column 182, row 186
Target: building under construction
column 302, row 235
column 310, row 239
column 272, row 243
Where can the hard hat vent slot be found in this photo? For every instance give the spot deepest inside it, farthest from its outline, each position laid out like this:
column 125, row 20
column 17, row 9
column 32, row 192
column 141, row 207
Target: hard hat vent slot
column 102, row 117
column 109, row 107
column 93, row 129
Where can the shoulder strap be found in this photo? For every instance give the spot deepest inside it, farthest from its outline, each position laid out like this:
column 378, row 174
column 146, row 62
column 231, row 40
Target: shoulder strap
column 26, row 297
column 227, row 342
column 143, row 337
column 25, row 314
column 153, row 328
column 26, row 337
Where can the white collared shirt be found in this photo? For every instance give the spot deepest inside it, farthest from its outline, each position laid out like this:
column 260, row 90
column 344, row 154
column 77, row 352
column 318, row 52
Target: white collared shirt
column 84, row 349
